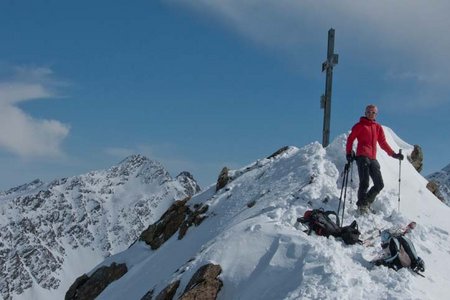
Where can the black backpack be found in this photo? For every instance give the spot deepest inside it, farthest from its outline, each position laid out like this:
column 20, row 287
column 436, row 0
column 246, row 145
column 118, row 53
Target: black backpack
column 350, row 234
column 402, row 254
column 319, row 221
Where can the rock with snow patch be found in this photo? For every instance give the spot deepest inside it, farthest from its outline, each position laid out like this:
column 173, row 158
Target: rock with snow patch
column 416, row 158
column 204, row 284
column 278, row 152
column 86, row 287
column 223, row 179
column 439, row 184
column 434, row 188
column 193, row 217
column 188, row 182
column 169, row 291
column 169, row 223
column 178, row 217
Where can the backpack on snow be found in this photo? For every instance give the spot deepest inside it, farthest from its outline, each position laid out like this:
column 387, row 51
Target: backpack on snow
column 319, row 221
column 400, row 253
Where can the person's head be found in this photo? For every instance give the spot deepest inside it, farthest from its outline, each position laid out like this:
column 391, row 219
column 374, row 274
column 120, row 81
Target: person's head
column 371, row 112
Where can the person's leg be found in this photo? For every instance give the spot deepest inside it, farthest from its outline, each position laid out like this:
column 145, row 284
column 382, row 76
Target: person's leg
column 378, row 184
column 363, row 172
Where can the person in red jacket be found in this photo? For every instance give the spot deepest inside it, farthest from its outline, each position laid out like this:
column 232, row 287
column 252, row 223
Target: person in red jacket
column 369, row 134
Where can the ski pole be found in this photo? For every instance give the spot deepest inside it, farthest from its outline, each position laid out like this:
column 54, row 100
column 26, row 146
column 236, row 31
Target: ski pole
column 399, row 178
column 351, row 182
column 345, row 194
column 345, row 176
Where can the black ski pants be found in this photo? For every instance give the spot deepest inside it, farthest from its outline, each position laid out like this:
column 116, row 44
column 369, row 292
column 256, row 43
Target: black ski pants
column 368, row 168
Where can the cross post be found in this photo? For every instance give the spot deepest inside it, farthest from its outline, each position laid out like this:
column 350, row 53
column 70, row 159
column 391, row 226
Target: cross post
column 325, row 100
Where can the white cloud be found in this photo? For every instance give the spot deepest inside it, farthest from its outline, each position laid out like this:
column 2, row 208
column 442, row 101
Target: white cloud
column 20, row 133
column 413, row 27
column 409, row 36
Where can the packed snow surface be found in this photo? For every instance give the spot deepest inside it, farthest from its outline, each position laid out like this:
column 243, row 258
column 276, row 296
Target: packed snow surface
column 264, row 252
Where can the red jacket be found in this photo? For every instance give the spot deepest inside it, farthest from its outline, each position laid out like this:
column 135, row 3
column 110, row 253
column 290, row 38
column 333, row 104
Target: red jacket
column 368, row 133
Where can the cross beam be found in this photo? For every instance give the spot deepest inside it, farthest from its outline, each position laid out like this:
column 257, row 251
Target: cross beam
column 325, row 100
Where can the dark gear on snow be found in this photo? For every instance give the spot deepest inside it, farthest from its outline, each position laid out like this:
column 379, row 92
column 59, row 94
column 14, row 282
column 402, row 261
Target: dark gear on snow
column 319, row 221
column 399, row 253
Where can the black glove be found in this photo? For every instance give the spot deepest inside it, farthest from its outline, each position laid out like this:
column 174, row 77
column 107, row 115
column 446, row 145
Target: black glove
column 350, row 156
column 398, row 156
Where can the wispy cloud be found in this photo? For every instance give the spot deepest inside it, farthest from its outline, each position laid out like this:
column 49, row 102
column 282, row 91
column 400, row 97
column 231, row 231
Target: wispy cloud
column 408, row 36
column 21, row 133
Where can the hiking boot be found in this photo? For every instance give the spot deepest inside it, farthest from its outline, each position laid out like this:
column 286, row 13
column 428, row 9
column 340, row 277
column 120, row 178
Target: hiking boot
column 363, row 209
column 361, row 202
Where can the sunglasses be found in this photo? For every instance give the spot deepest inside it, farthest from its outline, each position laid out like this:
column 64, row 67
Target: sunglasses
column 371, row 112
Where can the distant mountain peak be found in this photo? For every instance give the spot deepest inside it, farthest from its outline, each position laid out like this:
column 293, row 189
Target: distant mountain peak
column 102, row 212
column 27, row 187
column 442, row 180
column 447, row 168
column 134, row 159
column 189, row 183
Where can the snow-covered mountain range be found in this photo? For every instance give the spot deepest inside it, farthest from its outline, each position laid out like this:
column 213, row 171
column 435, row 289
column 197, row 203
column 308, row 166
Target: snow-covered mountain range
column 50, row 233
column 442, row 178
column 248, row 232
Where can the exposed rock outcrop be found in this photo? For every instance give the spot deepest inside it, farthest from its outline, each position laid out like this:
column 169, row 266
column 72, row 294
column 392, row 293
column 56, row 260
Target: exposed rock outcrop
column 188, row 182
column 204, row 284
column 86, row 287
column 223, row 179
column 434, row 188
column 278, row 152
column 439, row 184
column 416, row 158
column 178, row 217
column 169, row 291
column 193, row 217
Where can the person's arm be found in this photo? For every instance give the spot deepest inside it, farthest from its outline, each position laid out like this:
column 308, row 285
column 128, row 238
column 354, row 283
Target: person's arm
column 351, row 138
column 383, row 143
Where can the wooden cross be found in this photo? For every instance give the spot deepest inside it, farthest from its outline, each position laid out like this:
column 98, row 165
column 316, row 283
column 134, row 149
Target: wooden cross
column 325, row 101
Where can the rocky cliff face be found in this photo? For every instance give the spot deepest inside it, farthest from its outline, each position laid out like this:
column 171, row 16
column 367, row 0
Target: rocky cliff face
column 441, row 182
column 102, row 211
column 188, row 182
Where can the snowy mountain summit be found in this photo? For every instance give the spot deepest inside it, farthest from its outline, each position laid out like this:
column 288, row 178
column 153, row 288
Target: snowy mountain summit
column 245, row 242
column 50, row 233
column 442, row 178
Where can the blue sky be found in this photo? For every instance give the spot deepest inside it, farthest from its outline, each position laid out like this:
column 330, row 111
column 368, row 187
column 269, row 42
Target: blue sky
column 200, row 86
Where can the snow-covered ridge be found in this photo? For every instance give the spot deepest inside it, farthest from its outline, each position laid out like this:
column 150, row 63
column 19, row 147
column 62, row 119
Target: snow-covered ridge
column 24, row 188
column 264, row 255
column 44, row 228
